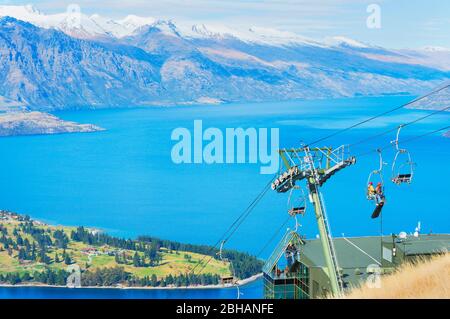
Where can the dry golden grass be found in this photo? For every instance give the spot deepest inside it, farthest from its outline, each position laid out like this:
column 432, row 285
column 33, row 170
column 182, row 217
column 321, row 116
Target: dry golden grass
column 428, row 279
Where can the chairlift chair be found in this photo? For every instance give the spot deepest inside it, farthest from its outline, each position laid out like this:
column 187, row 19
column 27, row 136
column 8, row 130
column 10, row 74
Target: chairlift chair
column 403, row 172
column 296, row 202
column 378, row 172
column 229, row 279
column 378, row 199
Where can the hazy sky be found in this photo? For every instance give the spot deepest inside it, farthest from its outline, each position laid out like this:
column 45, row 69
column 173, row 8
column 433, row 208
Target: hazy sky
column 404, row 24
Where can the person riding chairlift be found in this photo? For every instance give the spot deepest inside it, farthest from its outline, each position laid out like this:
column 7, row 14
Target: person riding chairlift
column 290, row 254
column 379, row 193
column 375, row 193
column 371, row 191
column 379, row 189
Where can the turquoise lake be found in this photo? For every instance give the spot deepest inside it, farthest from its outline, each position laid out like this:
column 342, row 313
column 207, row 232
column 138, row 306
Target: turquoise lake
column 122, row 180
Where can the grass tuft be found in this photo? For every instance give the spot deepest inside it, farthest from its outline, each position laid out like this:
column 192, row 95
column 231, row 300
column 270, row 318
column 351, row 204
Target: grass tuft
column 424, row 279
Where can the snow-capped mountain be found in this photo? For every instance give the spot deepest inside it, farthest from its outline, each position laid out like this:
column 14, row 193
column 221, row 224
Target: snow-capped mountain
column 47, row 69
column 58, row 61
column 123, row 27
column 75, row 23
column 70, row 23
column 79, row 25
column 27, row 13
column 345, row 42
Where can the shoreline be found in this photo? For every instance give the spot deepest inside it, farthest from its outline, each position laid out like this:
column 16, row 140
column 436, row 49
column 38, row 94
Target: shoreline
column 240, row 283
column 9, row 215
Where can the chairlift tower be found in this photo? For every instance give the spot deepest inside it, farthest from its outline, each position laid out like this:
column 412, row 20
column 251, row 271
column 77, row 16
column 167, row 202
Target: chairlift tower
column 316, row 166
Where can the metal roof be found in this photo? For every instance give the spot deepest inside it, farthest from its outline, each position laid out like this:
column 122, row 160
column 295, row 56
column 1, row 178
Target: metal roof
column 425, row 244
column 359, row 252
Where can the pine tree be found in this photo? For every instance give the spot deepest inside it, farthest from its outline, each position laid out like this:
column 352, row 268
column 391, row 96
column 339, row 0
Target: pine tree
column 22, row 254
column 19, row 240
column 136, row 260
column 154, row 281
column 67, row 259
column 43, row 257
column 26, row 277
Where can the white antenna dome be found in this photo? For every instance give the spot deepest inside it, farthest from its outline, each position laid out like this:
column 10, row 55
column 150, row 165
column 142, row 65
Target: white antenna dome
column 402, row 235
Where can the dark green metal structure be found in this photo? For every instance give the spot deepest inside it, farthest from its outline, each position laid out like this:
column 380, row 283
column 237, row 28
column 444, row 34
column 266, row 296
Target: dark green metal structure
column 359, row 259
column 290, row 282
column 316, row 166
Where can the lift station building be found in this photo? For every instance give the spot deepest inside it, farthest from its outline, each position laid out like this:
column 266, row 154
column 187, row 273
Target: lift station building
column 297, row 269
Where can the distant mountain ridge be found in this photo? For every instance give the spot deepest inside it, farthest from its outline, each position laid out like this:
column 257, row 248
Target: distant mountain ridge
column 437, row 101
column 36, row 123
column 45, row 65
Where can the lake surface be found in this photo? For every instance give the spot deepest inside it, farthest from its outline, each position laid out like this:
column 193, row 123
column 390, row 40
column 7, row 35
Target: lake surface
column 249, row 291
column 123, row 180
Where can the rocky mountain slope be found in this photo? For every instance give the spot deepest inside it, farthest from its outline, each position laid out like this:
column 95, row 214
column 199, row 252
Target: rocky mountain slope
column 48, row 64
column 32, row 123
column 437, row 101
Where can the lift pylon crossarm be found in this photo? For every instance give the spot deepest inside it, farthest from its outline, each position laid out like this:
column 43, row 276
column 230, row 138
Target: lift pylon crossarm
column 299, row 168
column 286, row 181
column 336, row 168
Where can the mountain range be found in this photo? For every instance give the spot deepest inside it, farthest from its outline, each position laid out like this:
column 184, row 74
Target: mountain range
column 50, row 62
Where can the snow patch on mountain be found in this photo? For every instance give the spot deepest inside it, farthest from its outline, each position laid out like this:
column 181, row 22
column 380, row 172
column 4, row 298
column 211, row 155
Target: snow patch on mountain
column 133, row 22
column 97, row 26
column 147, row 61
column 344, row 41
column 27, row 12
column 80, row 25
column 77, row 25
column 257, row 35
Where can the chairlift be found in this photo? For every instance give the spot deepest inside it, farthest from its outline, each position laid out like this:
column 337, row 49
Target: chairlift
column 227, row 279
column 296, row 201
column 402, row 166
column 377, row 194
column 296, row 204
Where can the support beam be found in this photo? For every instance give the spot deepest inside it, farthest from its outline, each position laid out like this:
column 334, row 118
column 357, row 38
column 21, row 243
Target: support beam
column 316, row 167
column 325, row 239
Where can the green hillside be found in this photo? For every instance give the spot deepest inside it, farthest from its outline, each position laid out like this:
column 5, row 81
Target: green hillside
column 34, row 252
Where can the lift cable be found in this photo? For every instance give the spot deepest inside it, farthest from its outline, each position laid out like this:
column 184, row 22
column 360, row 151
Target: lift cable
column 396, row 128
column 222, row 241
column 405, row 141
column 241, row 218
column 377, row 116
column 248, row 213
column 425, row 134
column 273, row 237
column 235, row 225
column 387, row 146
